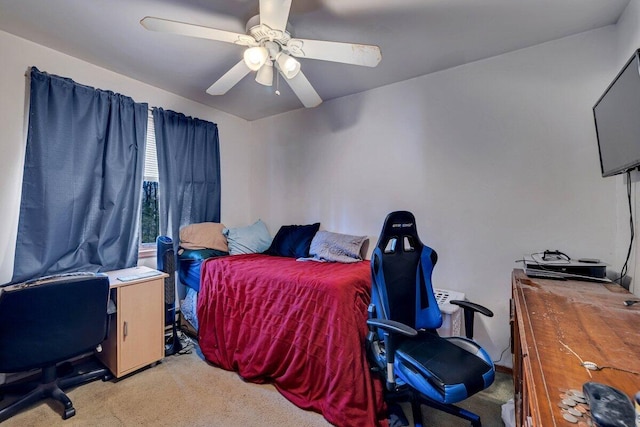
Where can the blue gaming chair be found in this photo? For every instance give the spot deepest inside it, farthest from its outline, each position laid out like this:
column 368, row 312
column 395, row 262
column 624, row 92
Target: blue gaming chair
column 418, row 365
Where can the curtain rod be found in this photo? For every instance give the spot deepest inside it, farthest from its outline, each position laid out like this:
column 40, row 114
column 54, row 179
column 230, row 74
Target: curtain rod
column 28, row 72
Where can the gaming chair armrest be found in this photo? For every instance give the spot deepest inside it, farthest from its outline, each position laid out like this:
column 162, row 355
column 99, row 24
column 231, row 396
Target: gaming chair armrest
column 470, row 309
column 467, row 305
column 393, row 327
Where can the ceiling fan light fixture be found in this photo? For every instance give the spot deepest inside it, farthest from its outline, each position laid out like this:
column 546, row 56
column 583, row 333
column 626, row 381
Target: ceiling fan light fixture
column 264, row 76
column 268, row 41
column 289, row 66
column 255, row 57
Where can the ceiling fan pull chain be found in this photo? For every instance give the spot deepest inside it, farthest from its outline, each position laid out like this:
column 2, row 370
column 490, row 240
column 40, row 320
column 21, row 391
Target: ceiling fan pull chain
column 278, row 83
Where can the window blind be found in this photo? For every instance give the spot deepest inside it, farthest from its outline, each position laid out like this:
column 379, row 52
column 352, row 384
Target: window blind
column 150, row 155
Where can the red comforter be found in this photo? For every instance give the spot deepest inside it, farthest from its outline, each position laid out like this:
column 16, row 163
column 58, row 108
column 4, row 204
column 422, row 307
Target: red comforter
column 299, row 325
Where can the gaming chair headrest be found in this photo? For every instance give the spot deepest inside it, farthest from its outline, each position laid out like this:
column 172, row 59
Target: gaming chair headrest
column 401, row 267
column 399, row 224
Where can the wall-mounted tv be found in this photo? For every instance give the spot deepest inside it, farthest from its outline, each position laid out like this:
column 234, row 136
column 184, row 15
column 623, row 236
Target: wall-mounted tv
column 617, row 117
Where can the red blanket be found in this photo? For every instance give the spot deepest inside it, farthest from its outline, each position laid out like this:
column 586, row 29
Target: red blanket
column 299, row 325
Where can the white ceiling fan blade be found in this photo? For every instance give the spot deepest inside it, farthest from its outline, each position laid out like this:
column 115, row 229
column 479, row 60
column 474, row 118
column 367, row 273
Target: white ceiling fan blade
column 303, row 90
column 182, row 28
column 347, row 53
column 229, row 79
column 275, row 13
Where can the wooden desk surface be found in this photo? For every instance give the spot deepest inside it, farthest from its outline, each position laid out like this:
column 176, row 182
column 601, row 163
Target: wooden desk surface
column 114, row 274
column 556, row 319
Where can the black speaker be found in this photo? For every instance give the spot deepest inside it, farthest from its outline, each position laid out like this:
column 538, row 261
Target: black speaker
column 166, row 262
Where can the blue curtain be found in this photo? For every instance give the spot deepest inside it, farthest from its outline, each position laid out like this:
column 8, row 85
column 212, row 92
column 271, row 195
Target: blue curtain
column 189, row 171
column 80, row 207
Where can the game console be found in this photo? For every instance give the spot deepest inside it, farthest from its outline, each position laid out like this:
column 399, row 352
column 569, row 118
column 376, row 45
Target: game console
column 557, row 264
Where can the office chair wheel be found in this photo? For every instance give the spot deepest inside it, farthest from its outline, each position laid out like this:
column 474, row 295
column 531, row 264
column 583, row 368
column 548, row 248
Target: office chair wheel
column 68, row 413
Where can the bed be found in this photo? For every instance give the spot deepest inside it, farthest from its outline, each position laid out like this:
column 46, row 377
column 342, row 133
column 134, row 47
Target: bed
column 299, row 325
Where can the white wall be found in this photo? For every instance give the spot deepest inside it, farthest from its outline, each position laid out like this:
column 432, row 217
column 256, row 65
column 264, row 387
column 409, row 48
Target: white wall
column 18, row 54
column 628, row 41
column 628, row 30
column 496, row 159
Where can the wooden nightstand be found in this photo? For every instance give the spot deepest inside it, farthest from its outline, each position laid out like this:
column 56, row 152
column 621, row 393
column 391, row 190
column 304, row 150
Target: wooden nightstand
column 136, row 331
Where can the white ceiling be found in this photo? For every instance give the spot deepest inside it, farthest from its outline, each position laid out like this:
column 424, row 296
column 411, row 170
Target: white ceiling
column 416, row 37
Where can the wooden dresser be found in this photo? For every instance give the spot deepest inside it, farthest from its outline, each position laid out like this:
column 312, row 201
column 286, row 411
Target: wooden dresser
column 555, row 324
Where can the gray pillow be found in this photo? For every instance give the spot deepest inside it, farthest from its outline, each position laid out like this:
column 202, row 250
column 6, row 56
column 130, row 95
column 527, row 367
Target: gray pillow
column 336, row 247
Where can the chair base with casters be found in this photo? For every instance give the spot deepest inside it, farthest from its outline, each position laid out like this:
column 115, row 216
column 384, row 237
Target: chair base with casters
column 417, row 399
column 50, row 385
column 403, row 345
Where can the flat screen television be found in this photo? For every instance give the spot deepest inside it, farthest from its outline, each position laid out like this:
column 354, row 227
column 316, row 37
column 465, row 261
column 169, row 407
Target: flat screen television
column 617, row 118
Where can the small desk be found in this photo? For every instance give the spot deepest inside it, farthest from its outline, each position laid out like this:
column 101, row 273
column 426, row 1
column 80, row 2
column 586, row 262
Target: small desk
column 552, row 320
column 136, row 331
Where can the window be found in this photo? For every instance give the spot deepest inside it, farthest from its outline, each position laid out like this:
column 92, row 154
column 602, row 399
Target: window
column 149, row 224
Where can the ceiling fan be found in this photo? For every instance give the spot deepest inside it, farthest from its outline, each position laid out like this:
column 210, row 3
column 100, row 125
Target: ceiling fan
column 270, row 45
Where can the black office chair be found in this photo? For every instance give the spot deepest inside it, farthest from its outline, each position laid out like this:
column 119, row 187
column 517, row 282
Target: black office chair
column 403, row 345
column 49, row 321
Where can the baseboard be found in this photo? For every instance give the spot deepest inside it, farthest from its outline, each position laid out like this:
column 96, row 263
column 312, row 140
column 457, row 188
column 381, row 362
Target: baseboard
column 504, row 369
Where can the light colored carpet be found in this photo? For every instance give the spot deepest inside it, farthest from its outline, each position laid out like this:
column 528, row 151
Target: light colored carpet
column 183, row 390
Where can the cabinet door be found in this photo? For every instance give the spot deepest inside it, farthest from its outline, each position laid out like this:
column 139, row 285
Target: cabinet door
column 141, row 324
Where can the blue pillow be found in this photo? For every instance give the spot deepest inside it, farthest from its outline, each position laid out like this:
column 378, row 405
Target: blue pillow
column 248, row 240
column 293, row 240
